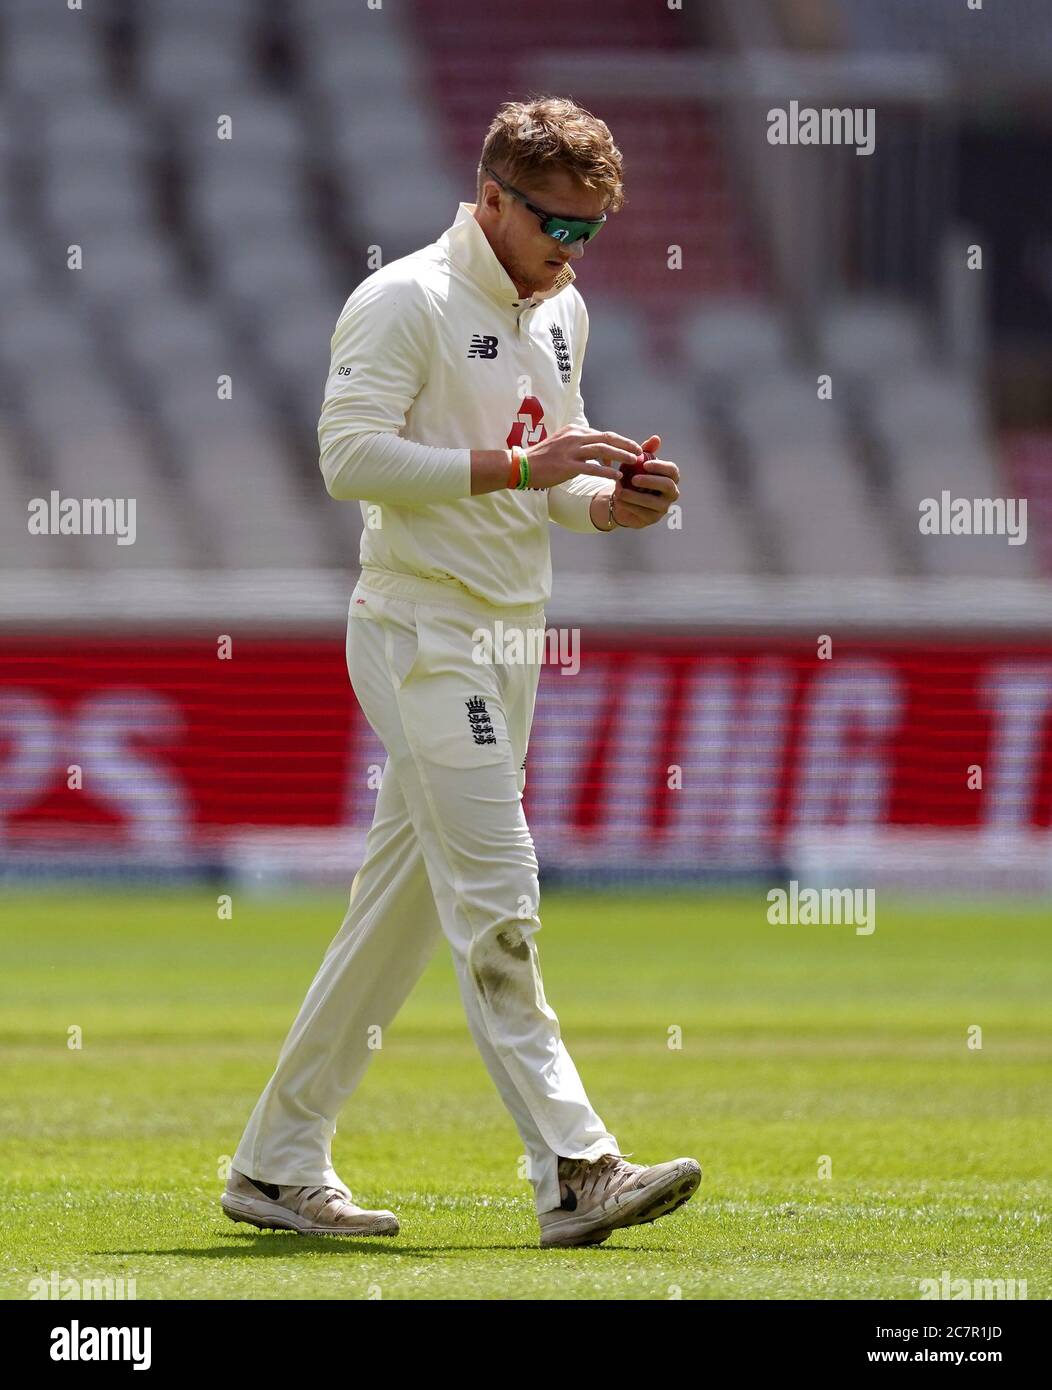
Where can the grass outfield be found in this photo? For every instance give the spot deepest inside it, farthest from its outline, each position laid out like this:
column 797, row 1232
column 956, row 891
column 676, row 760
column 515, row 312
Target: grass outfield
column 797, row 1042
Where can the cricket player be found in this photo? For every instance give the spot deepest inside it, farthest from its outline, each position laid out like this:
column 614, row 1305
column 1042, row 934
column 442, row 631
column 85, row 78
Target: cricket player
column 453, row 414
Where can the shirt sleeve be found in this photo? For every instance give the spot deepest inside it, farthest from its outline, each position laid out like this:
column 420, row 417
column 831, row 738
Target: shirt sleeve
column 569, row 503
column 379, row 364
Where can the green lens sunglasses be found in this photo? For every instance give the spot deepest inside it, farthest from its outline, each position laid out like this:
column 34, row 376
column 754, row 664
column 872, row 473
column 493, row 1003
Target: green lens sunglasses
column 566, row 230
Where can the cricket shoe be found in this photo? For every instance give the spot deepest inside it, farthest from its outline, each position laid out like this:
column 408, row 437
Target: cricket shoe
column 320, row 1210
column 601, row 1196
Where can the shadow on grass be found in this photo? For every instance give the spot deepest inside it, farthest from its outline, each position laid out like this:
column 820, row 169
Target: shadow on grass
column 273, row 1244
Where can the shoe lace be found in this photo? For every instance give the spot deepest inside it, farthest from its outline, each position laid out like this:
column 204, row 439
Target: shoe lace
column 589, row 1173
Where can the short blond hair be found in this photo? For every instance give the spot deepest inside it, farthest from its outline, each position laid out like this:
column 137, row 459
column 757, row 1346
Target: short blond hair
column 532, row 138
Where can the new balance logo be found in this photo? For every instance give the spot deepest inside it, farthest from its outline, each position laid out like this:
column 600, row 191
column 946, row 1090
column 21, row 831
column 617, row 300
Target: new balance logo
column 483, row 345
column 562, row 351
column 479, row 721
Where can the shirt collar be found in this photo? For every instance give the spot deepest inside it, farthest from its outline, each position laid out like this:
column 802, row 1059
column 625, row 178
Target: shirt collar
column 466, row 245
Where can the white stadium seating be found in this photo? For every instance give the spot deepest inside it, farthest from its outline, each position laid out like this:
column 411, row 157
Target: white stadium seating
column 206, row 258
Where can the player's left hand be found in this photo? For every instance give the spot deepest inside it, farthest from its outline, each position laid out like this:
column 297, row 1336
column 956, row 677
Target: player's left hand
column 636, row 509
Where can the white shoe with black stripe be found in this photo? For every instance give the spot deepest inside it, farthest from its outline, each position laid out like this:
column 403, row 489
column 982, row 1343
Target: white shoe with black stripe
column 319, row 1210
column 603, row 1195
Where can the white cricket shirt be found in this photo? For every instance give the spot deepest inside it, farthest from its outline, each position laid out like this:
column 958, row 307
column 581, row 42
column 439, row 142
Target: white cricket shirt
column 435, row 355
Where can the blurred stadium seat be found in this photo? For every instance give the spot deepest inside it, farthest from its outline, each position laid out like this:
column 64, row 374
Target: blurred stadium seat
column 352, row 128
column 169, row 297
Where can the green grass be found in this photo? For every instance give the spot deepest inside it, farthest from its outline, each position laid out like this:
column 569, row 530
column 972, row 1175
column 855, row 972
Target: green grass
column 797, row 1042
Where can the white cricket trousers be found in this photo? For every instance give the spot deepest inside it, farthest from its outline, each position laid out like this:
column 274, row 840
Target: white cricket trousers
column 449, row 852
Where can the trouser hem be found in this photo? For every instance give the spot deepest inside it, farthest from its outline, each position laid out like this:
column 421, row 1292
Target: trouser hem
column 282, row 1176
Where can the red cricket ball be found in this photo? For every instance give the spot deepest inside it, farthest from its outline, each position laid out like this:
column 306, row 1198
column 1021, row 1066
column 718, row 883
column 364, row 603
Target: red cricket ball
column 631, row 471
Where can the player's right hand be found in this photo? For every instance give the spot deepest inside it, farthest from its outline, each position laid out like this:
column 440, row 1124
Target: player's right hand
column 573, row 450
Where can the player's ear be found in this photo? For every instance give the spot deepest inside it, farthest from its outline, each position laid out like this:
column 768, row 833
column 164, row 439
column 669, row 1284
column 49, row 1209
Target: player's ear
column 489, row 195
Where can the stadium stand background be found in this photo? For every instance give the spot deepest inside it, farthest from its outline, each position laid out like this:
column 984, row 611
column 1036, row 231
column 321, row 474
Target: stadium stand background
column 356, row 129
